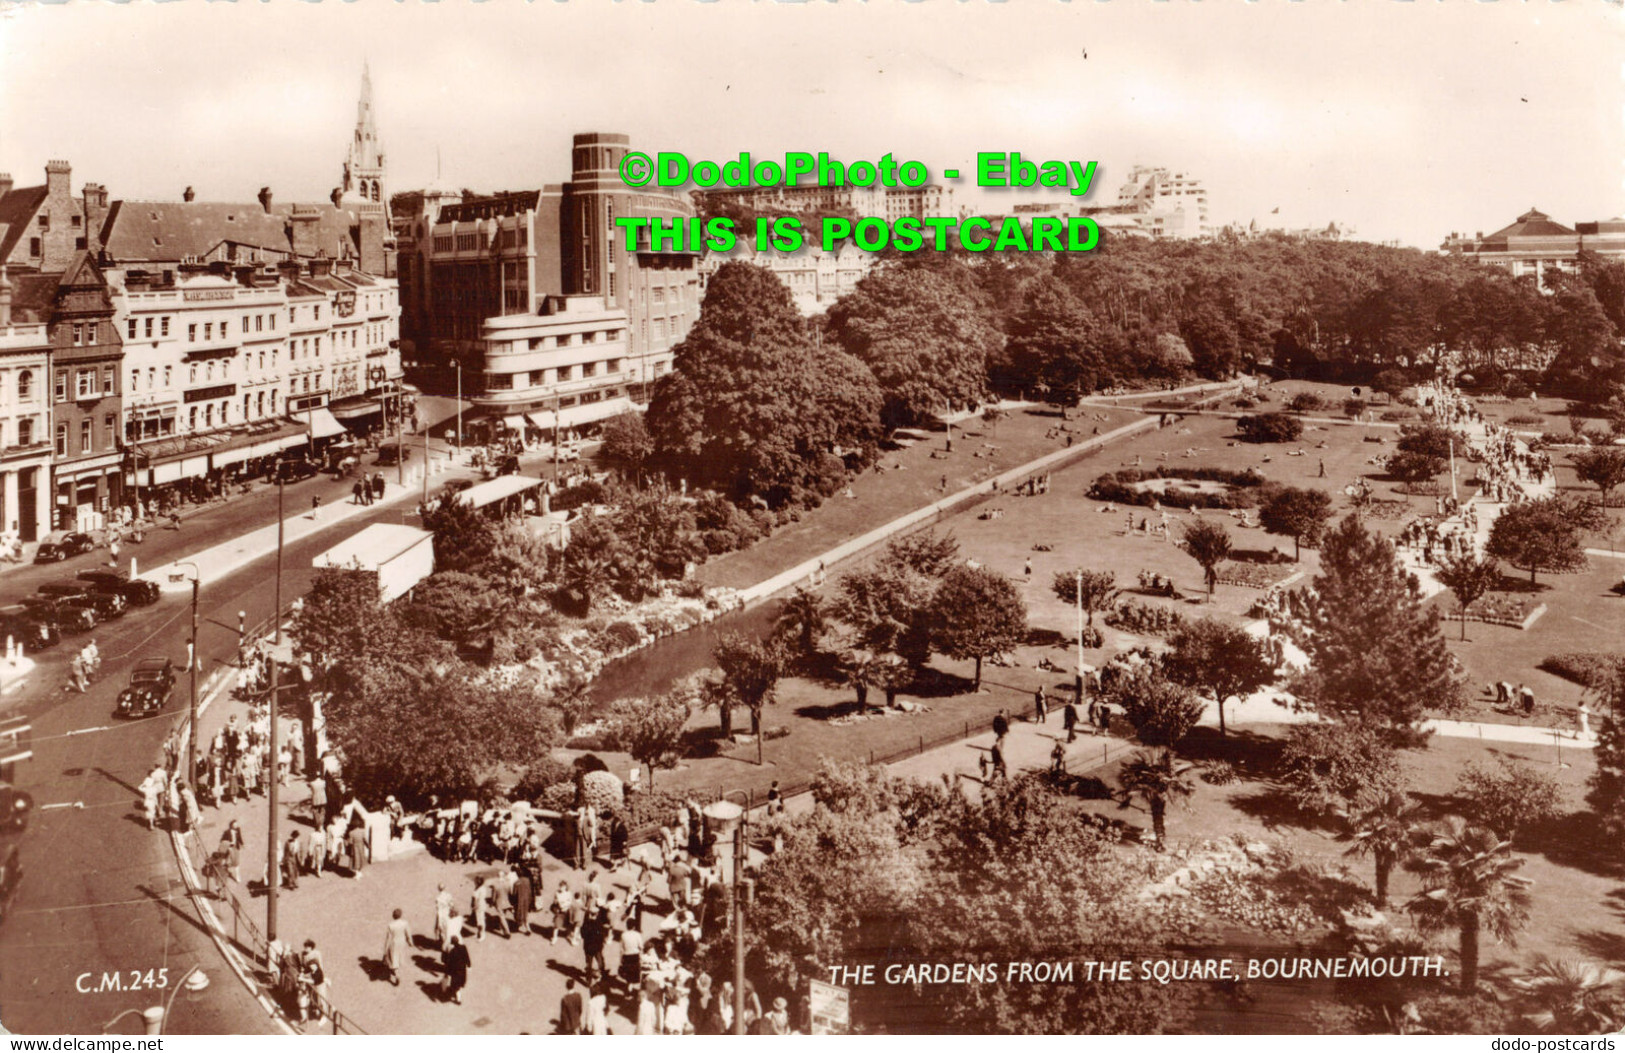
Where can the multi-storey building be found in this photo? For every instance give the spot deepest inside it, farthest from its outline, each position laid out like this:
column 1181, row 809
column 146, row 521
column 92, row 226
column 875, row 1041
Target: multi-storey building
column 881, row 202
column 468, row 264
column 86, row 352
column 1537, row 244
column 230, row 365
column 1168, row 204
column 25, row 419
column 815, row 278
column 565, row 366
column 41, row 227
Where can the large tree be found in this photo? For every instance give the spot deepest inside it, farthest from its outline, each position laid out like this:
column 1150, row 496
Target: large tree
column 923, row 330
column 650, row 729
column 1093, row 590
column 1376, row 654
column 750, row 678
column 1602, row 467
column 1543, row 534
column 888, row 608
column 1298, row 513
column 976, row 614
column 753, row 406
column 1215, row 656
column 1469, row 883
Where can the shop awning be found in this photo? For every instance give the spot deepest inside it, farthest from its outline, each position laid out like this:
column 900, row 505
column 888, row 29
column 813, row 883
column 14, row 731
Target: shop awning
column 323, row 425
column 355, row 410
column 514, row 422
column 498, row 489
column 542, row 421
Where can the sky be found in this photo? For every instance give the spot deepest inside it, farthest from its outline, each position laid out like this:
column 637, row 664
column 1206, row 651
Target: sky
column 1405, row 119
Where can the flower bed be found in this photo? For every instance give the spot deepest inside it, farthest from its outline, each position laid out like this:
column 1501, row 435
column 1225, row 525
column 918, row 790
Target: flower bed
column 1506, row 608
column 1145, row 619
column 1243, row 488
column 1254, row 575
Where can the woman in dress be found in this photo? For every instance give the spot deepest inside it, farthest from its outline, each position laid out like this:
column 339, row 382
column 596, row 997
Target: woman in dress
column 456, row 962
column 597, row 1022
column 397, row 945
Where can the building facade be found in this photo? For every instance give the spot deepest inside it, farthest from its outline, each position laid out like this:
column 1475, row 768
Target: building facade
column 25, row 420
column 815, row 278
column 879, row 202
column 86, row 427
column 467, row 265
column 1167, row 204
column 41, row 227
column 565, row 366
column 1537, row 244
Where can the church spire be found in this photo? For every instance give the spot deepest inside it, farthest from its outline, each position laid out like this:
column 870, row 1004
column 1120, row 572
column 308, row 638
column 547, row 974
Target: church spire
column 364, row 165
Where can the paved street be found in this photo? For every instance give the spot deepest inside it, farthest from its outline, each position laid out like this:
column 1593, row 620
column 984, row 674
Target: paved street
column 101, row 892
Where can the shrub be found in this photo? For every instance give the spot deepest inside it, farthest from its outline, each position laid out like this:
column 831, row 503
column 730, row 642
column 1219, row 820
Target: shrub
column 1305, row 402
column 1219, row 773
column 1244, row 488
column 1270, row 427
column 577, row 494
column 601, row 790
column 1093, row 637
column 1145, row 619
column 1523, row 420
column 560, row 797
column 691, row 589
column 542, row 775
column 588, row 762
column 719, row 541
column 1328, row 766
column 650, row 808
column 1516, row 388
column 1510, row 798
column 1398, row 415
column 1243, row 403
column 1353, row 407
column 1586, row 668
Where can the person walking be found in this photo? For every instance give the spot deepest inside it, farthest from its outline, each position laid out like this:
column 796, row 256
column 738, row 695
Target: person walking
column 563, row 900
column 570, row 1009
column 442, row 916
column 356, row 834
column 1057, row 758
column 397, row 945
column 188, row 808
column 997, row 756
column 318, row 799
column 456, row 961
column 1001, row 725
column 524, row 902
column 378, row 486
column 1069, row 721
column 291, row 854
column 1040, row 706
column 231, row 846
column 479, row 909
column 594, row 935
column 597, row 1022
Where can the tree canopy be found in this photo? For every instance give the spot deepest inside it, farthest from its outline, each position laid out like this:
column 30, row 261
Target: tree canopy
column 1298, row 513
column 977, row 613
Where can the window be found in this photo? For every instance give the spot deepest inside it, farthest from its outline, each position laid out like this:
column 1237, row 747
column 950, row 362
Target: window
column 191, row 332
column 191, row 373
column 613, row 365
column 135, row 380
column 191, row 420
column 87, row 436
column 208, row 370
column 273, row 358
column 259, row 404
column 589, row 369
column 564, row 373
column 163, row 326
column 107, row 380
column 208, row 415
column 273, row 322
column 262, row 359
column 78, row 334
column 245, row 323
column 77, row 221
column 62, row 385
column 129, row 328
column 247, row 406
column 259, row 323
column 167, row 380
column 109, row 429
column 318, row 312
column 33, row 246
column 501, row 381
column 62, row 440
column 44, row 221
column 25, row 432
column 273, row 400
column 147, row 327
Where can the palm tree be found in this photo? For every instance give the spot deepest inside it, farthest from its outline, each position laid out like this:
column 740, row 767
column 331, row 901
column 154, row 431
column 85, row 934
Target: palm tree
column 804, row 618
column 1384, row 829
column 1208, row 543
column 570, row 699
column 1159, row 781
column 860, row 669
column 1469, row 882
column 1569, row 997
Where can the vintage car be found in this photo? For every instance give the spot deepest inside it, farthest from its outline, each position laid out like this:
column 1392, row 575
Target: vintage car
column 107, row 605
column 28, row 627
column 61, row 545
column 136, row 592
column 151, row 683
column 67, row 617
column 292, row 471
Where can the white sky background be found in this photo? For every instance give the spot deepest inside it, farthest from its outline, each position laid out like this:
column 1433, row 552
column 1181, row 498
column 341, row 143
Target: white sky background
column 1405, row 119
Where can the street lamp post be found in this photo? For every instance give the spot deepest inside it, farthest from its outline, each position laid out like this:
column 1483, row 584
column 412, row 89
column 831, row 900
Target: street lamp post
column 273, row 877
column 459, row 365
column 195, row 659
column 739, row 892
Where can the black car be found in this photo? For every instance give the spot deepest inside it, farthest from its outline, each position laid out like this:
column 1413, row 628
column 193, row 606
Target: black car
column 390, row 453
column 79, row 593
column 136, row 592
column 508, row 465
column 58, row 547
column 294, row 471
column 156, row 676
column 27, row 627
column 66, row 617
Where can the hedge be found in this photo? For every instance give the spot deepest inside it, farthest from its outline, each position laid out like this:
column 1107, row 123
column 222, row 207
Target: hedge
column 1119, row 486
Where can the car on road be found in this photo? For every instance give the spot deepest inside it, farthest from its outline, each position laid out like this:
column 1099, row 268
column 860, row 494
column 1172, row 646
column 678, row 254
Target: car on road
column 62, row 545
column 151, row 683
column 107, row 605
column 67, row 617
column 136, row 591
column 508, row 465
column 295, row 471
column 11, row 873
column 27, row 627
column 389, row 454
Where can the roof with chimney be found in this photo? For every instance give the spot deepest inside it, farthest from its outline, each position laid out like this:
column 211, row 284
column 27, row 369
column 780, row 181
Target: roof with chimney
column 176, row 230
column 17, row 210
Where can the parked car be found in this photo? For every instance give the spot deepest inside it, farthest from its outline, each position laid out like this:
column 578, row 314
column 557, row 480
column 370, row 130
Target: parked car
column 61, row 545
column 389, row 453
column 508, row 465
column 136, row 591
column 295, row 470
column 25, row 626
column 66, row 617
column 107, row 605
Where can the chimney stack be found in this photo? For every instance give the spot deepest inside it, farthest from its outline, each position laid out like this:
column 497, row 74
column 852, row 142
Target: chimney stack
column 95, row 215
column 302, row 233
column 188, row 195
column 6, row 183
column 265, row 198
column 5, row 299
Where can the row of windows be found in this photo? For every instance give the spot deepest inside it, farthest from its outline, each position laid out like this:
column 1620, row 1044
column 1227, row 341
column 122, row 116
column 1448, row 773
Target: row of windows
column 542, row 343
column 84, row 384
column 87, row 435
column 537, row 378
